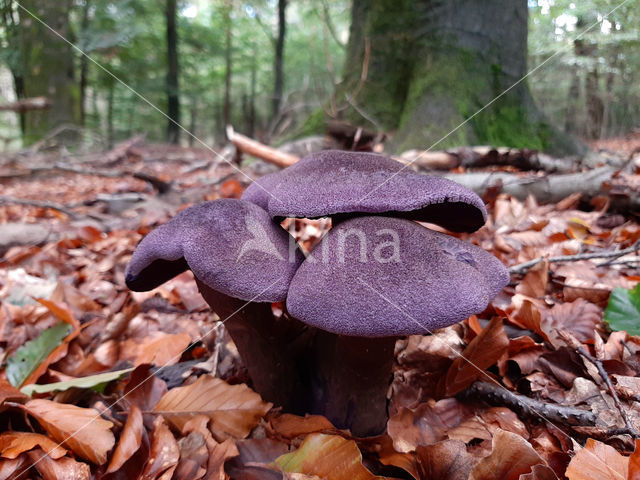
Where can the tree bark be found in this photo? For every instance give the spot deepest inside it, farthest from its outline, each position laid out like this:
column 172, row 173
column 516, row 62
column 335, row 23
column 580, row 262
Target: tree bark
column 173, row 99
column 228, row 64
column 278, row 60
column 84, row 63
column 48, row 66
column 464, row 55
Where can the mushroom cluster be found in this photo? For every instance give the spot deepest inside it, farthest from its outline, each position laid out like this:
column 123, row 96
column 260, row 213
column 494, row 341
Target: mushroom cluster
column 377, row 275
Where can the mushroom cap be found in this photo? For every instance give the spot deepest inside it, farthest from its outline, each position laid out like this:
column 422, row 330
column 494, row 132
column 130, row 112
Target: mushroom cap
column 259, row 192
column 232, row 246
column 357, row 283
column 334, row 182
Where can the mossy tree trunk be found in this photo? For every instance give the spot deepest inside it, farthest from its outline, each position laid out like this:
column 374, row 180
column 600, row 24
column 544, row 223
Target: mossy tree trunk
column 48, row 67
column 432, row 65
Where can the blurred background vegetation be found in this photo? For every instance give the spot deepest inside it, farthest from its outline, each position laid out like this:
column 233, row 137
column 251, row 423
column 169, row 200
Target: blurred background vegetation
column 280, row 69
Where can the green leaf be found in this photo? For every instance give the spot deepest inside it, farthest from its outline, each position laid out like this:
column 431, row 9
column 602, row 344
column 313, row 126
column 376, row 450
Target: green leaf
column 27, row 358
column 96, row 382
column 623, row 310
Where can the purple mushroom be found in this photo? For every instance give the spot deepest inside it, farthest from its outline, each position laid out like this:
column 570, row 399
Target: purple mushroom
column 242, row 261
column 371, row 280
column 338, row 184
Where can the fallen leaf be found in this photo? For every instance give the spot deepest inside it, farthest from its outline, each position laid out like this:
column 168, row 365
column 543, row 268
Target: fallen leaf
column 579, row 317
column 91, row 381
column 144, row 389
column 426, row 425
column 623, row 310
column 597, row 461
column 130, row 440
column 12, row 444
column 29, row 356
column 165, row 350
column 327, row 456
column 164, row 454
column 634, row 463
column 540, row 472
column 511, row 456
column 233, row 409
column 290, row 426
column 61, row 311
column 480, row 354
column 446, row 460
column 82, row 430
column 64, row 467
column 15, row 469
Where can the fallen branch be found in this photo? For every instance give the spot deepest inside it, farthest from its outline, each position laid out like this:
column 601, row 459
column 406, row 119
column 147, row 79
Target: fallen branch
column 33, row 203
column 497, row 395
column 522, row 268
column 251, row 147
column 603, row 181
column 26, row 104
column 573, row 342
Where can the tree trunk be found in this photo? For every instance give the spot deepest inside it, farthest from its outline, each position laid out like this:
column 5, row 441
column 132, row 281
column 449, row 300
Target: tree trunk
column 173, row 99
column 48, row 66
column 252, row 96
column 84, row 63
column 434, row 65
column 278, row 58
column 227, row 57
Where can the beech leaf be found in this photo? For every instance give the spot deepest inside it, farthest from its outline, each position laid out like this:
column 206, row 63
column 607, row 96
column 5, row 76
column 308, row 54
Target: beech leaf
column 130, row 440
column 510, row 457
column 27, row 358
column 82, row 430
column 233, row 409
column 597, row 461
column 623, row 310
column 12, row 444
column 96, row 382
column 326, row 456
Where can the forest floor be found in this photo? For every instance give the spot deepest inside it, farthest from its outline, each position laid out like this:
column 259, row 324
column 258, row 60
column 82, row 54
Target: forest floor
column 557, row 395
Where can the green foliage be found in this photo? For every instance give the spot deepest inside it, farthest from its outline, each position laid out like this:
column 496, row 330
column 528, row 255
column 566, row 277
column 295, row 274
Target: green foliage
column 623, row 310
column 95, row 382
column 27, row 358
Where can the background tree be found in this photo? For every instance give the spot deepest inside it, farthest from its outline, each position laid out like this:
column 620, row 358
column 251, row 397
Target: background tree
column 173, row 91
column 48, row 66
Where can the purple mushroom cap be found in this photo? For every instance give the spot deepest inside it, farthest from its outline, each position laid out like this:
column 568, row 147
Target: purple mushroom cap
column 335, row 183
column 232, row 246
column 380, row 276
column 259, row 190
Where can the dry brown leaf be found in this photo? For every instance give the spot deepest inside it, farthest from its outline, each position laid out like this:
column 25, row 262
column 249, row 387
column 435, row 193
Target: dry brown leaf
column 165, row 350
column 597, row 461
column 290, row 426
column 233, row 409
column 534, row 283
column 327, row 456
column 164, row 454
column 540, row 472
column 426, row 425
column 480, row 354
column 511, row 456
column 579, row 317
column 486, row 424
column 130, row 440
column 634, row 463
column 82, row 430
column 144, row 389
column 64, row 468
column 16, row 468
column 447, row 460
column 12, row 444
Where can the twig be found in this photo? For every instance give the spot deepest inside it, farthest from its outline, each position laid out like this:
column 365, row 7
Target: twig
column 523, row 268
column 34, row 203
column 574, row 343
column 529, row 407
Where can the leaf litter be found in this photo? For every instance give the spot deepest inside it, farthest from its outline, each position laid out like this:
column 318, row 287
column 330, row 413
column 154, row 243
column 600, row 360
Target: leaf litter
column 186, row 410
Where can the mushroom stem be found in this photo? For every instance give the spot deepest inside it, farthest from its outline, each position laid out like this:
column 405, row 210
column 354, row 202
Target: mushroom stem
column 351, row 380
column 269, row 347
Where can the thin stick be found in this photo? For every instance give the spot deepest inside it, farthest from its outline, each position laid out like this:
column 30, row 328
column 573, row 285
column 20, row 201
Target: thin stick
column 523, row 268
column 529, row 407
column 33, row 203
column 575, row 344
